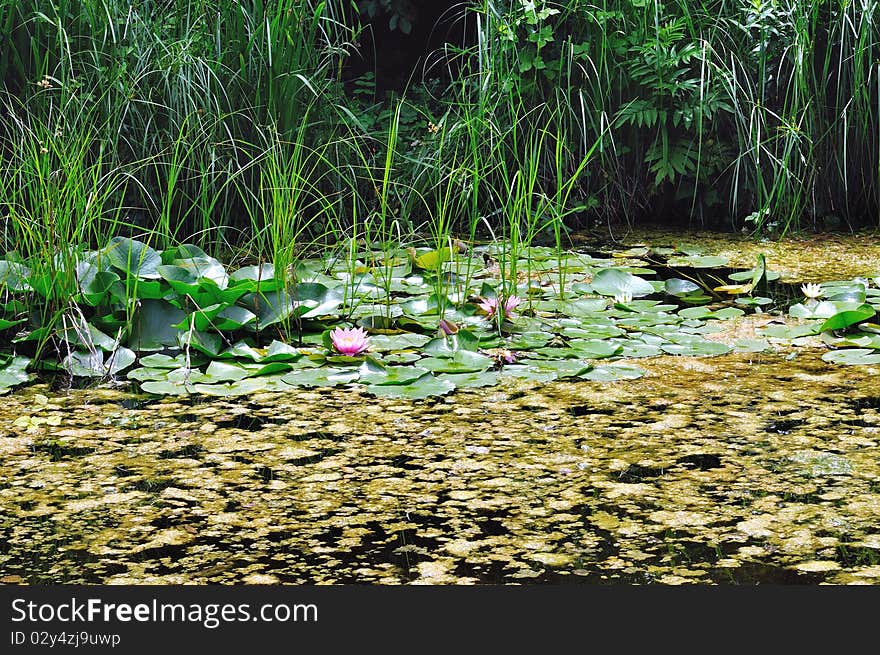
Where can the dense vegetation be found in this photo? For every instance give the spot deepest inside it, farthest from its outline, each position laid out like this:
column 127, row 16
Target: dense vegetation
column 241, row 124
column 268, row 131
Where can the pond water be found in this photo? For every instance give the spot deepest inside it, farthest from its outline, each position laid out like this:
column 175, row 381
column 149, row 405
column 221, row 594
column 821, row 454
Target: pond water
column 732, row 469
column 744, row 468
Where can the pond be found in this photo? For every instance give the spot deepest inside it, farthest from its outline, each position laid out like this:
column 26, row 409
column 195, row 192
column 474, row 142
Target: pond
column 741, row 468
column 732, row 469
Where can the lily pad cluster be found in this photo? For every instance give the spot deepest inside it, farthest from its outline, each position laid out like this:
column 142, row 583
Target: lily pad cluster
column 842, row 314
column 179, row 321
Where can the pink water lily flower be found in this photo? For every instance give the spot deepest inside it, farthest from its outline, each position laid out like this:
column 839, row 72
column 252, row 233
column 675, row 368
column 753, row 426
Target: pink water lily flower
column 490, row 306
column 349, row 341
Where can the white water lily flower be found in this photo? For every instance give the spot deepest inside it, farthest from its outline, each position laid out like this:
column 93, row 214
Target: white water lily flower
column 811, row 291
column 623, row 297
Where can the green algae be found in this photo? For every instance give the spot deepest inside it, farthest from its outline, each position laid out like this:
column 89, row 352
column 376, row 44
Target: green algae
column 740, row 468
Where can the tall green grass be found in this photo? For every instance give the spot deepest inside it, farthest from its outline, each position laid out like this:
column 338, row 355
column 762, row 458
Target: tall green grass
column 228, row 123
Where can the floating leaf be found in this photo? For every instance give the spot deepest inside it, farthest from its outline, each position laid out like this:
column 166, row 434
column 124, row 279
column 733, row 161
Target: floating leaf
column 461, row 361
column 789, row 331
column 471, row 380
column 206, row 342
column 406, row 341
column 433, row 259
column 225, row 372
column 613, row 373
column 424, row 387
column 529, row 372
column 373, row 373
column 613, row 281
column 697, row 261
column 279, row 351
column 751, row 345
column 824, row 309
column 242, row 387
column 727, row 313
column 695, row 313
column 166, row 388
column 564, row 368
column 677, row 287
column 448, row 345
column 320, row 377
column 853, row 356
column 696, row 347
column 594, row 348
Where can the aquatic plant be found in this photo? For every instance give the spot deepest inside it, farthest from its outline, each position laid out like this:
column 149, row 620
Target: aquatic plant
column 811, row 291
column 491, row 305
column 349, row 341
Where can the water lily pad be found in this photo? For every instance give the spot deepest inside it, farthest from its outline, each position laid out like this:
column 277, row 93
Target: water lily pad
column 218, row 371
column 447, row 346
column 528, row 340
column 678, row 287
column 564, row 368
column 96, row 284
column 371, row 372
column 853, row 356
column 278, row 351
column 242, row 387
column 824, row 309
column 613, row 281
column 613, row 373
column 166, row 388
column 633, row 348
column 594, row 348
column 242, row 350
column 529, row 372
column 424, row 387
column 148, row 373
column 471, row 380
column 751, row 346
column 389, row 342
column 789, row 331
column 696, row 347
column 206, row 342
column 727, row 313
column 696, row 312
column 461, row 361
column 697, row 261
column 858, row 339
column 433, row 259
column 320, row 377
